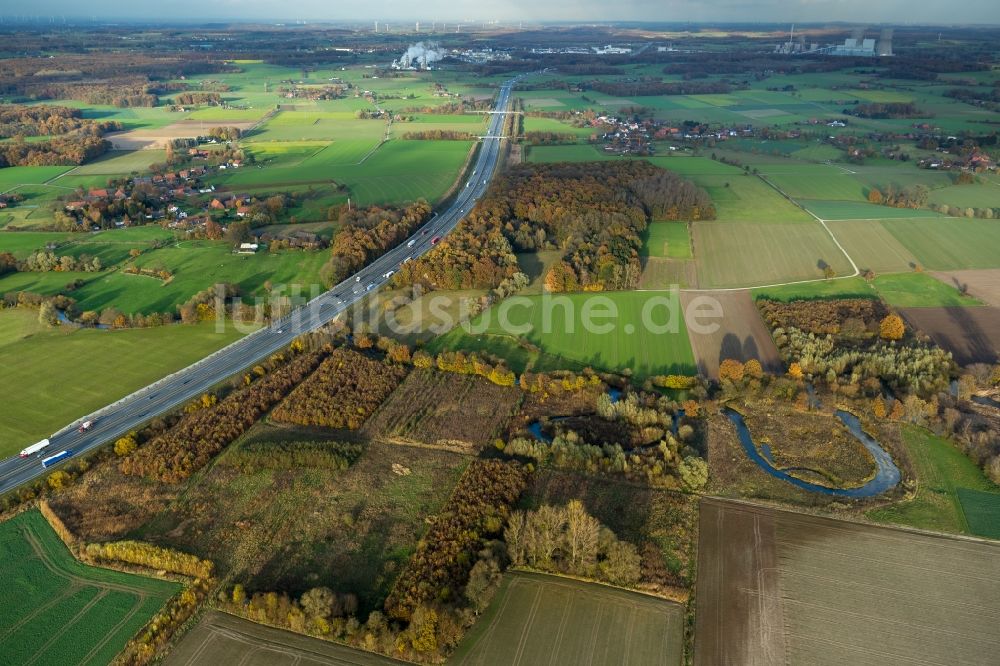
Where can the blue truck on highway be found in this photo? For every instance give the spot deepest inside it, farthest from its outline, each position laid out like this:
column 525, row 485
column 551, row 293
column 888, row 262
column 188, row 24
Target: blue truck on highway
column 56, row 459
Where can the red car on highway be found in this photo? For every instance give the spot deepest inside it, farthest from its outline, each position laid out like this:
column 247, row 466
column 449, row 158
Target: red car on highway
column 434, row 241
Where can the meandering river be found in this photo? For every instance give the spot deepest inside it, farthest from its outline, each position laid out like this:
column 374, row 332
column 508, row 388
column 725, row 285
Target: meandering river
column 887, row 475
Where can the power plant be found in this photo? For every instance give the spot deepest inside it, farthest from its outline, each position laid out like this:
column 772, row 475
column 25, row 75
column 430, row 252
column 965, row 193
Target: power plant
column 419, row 56
column 857, row 45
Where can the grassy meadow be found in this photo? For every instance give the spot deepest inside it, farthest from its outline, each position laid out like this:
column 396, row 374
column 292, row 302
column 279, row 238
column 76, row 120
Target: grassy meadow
column 64, row 374
column 619, row 339
column 952, row 493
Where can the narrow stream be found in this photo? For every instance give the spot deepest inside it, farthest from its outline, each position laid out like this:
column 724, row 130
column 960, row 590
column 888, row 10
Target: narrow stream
column 535, row 427
column 886, row 475
column 985, row 401
column 63, row 319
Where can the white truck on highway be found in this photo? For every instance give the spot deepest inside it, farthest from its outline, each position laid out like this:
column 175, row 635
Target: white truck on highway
column 34, row 448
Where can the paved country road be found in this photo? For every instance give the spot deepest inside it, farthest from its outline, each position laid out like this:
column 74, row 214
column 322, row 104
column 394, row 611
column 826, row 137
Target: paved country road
column 168, row 393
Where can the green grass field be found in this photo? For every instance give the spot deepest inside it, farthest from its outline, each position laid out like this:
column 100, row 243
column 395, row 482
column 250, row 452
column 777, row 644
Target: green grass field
column 121, row 162
column 816, row 181
column 949, row 243
column 318, row 125
column 667, row 239
column 398, row 171
column 636, row 330
column 517, row 357
column 852, row 287
column 62, row 375
column 11, row 177
column 980, row 195
column 982, row 511
column 741, row 198
column 65, row 612
column 533, row 124
column 195, row 264
column 110, row 246
column 746, row 254
column 537, row 620
column 568, row 153
column 944, row 477
column 860, row 210
column 919, row 290
column 873, row 246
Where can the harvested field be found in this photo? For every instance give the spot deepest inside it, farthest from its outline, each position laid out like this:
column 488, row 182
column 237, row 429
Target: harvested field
column 749, row 254
column 445, row 409
column 158, row 137
column 219, row 638
column 983, row 284
column 662, row 273
column 971, row 334
column 781, row 587
column 341, row 393
column 541, row 620
column 544, row 102
column 741, row 333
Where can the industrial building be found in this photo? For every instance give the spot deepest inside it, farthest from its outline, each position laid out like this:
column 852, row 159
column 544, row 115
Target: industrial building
column 857, row 46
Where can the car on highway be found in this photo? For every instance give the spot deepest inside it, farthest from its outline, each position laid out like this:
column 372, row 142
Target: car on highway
column 434, row 241
column 389, row 274
column 369, row 287
column 357, row 278
column 412, row 243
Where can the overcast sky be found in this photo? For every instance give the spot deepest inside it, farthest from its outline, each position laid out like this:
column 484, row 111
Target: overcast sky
column 862, row 11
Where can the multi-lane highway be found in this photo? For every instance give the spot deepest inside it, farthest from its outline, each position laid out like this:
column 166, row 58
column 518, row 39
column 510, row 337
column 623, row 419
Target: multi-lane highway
column 170, row 392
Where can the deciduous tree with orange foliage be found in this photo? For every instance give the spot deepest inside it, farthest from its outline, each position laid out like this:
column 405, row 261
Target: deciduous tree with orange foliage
column 731, row 369
column 892, row 327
